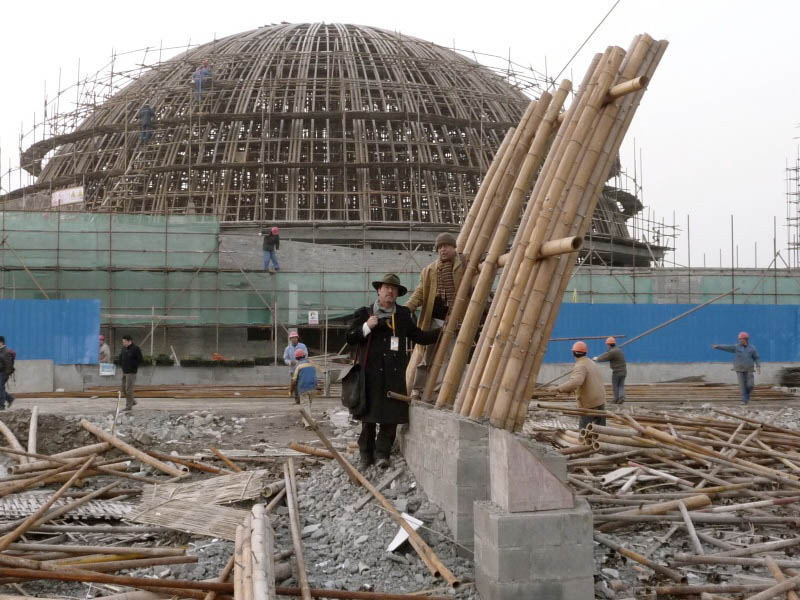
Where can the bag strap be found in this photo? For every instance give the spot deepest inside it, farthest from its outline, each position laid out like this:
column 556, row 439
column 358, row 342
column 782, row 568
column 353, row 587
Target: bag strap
column 369, row 341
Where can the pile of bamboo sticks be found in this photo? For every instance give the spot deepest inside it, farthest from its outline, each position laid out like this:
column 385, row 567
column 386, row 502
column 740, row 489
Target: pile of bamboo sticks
column 727, row 488
column 568, row 154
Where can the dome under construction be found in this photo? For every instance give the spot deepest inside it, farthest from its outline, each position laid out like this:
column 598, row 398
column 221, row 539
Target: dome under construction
column 292, row 122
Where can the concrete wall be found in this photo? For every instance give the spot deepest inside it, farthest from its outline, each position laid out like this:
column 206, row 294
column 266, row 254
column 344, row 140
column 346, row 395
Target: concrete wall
column 660, row 372
column 32, row 376
column 449, row 457
column 75, row 378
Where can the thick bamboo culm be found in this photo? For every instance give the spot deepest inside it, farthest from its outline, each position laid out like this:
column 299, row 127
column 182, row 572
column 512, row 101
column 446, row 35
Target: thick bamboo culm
column 645, row 56
column 294, row 522
column 480, row 237
column 467, row 396
column 541, row 274
column 497, row 329
column 541, row 123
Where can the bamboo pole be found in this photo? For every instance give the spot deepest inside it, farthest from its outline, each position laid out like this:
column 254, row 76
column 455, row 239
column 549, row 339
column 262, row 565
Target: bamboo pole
column 130, row 450
column 247, row 559
column 428, row 556
column 471, row 306
column 626, row 87
column 263, row 562
column 777, row 590
column 99, row 448
column 639, row 558
column 90, row 576
column 29, row 483
column 776, row 572
column 495, row 199
column 33, row 429
column 234, row 467
column 238, row 564
column 12, row 439
column 561, row 246
column 310, row 450
column 294, row 523
column 123, row 563
column 698, row 547
column 79, row 549
column 353, row 595
column 189, row 463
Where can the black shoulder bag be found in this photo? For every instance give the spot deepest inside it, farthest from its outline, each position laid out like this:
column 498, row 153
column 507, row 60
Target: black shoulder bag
column 354, row 391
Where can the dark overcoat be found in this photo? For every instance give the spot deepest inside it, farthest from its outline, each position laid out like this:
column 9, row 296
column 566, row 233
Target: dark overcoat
column 386, row 369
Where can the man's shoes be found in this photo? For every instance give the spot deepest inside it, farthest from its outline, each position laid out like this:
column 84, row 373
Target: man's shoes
column 9, row 400
column 366, row 461
column 383, row 463
column 620, row 401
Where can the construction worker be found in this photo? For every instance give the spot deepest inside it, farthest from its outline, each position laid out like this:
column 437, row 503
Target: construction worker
column 146, row 114
column 304, row 382
column 435, row 295
column 587, row 383
column 289, row 355
column 271, row 243
column 745, row 359
column 616, row 359
column 201, row 79
column 104, row 352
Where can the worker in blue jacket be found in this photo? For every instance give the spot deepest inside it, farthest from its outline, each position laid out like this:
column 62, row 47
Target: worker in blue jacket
column 745, row 360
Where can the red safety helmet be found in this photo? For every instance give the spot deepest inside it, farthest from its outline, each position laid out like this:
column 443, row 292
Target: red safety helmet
column 102, row 338
column 580, row 347
column 744, row 334
column 274, row 231
column 299, row 353
column 611, row 340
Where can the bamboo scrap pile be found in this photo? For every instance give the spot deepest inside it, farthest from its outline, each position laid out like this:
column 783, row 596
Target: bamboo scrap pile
column 37, row 545
column 565, row 157
column 693, row 498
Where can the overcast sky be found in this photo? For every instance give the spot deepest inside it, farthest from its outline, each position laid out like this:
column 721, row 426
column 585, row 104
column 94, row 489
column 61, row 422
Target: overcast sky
column 715, row 128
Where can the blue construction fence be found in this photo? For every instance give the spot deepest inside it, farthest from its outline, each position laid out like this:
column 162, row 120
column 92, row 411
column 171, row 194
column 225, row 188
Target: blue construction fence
column 774, row 330
column 64, row 331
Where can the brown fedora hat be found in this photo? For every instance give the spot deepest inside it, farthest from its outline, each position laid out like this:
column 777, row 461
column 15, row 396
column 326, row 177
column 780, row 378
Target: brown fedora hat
column 391, row 279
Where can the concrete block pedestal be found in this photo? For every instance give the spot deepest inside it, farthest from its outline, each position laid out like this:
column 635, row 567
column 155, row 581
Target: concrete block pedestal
column 546, row 555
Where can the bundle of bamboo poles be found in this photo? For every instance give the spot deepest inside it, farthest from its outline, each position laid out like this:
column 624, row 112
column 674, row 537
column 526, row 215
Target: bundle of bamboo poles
column 723, row 490
column 565, row 156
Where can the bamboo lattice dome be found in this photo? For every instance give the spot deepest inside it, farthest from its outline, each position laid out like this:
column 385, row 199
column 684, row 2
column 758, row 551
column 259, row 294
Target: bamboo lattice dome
column 299, row 122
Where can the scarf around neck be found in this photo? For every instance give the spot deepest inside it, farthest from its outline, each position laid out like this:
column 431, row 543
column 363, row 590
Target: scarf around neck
column 383, row 313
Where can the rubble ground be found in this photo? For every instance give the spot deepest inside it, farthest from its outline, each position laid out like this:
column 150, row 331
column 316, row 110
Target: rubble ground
column 344, row 548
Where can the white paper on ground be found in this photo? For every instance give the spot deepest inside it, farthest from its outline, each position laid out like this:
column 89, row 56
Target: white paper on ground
column 402, row 535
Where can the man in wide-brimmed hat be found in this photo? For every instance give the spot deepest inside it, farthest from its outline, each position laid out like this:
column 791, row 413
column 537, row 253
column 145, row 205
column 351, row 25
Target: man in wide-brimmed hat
column 380, row 332
column 434, row 296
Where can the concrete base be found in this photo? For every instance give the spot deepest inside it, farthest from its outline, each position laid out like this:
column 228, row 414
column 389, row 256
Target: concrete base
column 448, row 455
column 32, row 376
column 545, row 555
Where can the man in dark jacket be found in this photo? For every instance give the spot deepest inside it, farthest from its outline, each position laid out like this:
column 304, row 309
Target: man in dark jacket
column 271, row 243
column 129, row 359
column 6, row 370
column 619, row 368
column 381, row 331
